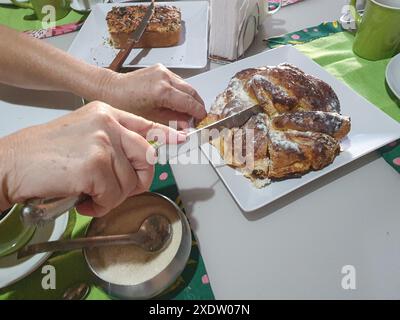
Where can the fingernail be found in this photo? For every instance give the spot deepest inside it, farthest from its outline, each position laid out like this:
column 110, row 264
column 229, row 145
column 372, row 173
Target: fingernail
column 182, row 136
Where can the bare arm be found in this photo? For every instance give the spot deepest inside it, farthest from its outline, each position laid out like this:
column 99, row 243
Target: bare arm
column 33, row 64
column 154, row 93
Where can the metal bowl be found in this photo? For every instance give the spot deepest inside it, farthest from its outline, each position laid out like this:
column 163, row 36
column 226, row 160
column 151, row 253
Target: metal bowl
column 163, row 280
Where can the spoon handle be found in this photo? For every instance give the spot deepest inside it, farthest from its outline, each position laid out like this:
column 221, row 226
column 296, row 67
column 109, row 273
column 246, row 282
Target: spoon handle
column 79, row 243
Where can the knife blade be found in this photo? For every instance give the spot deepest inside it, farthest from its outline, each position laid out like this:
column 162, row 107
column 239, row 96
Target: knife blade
column 137, row 34
column 40, row 211
column 198, row 137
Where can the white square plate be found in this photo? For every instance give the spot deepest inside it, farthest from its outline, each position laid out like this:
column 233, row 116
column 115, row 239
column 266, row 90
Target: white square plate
column 92, row 42
column 371, row 128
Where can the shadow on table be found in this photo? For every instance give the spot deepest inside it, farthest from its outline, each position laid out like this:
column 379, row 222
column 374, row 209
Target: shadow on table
column 193, row 196
column 310, row 187
column 273, row 27
column 38, row 98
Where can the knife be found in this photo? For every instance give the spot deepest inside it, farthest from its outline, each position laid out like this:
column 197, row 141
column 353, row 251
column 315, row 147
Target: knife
column 40, row 211
column 201, row 136
column 123, row 54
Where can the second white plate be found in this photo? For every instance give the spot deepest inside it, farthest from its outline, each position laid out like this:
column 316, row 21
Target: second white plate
column 371, row 128
column 92, row 42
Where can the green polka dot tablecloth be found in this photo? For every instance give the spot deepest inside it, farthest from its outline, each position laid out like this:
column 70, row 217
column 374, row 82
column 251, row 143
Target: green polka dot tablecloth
column 331, row 47
column 22, row 19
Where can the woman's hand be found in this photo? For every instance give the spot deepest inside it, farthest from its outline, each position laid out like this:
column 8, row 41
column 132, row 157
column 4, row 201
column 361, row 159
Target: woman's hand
column 97, row 150
column 154, row 93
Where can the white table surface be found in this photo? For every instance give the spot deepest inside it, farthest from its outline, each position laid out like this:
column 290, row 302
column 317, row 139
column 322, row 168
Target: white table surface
column 295, row 247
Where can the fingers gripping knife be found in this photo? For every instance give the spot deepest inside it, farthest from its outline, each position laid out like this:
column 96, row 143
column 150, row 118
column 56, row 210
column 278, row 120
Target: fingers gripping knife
column 39, row 211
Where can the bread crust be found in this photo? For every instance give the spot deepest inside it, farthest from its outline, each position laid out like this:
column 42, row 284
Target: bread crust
column 163, row 30
column 298, row 131
column 333, row 124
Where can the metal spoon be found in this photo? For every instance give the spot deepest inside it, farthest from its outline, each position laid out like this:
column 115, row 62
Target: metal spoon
column 153, row 235
column 77, row 292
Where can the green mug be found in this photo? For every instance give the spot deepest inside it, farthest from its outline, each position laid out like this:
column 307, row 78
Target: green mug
column 378, row 30
column 13, row 233
column 43, row 8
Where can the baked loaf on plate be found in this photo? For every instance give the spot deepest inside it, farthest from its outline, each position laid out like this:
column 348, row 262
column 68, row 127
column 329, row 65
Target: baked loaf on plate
column 163, row 30
column 299, row 130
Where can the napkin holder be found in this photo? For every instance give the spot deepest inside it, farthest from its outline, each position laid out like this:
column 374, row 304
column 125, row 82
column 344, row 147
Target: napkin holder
column 247, row 30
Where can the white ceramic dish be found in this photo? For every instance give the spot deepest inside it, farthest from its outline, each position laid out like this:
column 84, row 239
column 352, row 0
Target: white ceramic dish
column 12, row 269
column 393, row 75
column 371, row 128
column 92, row 42
column 85, row 5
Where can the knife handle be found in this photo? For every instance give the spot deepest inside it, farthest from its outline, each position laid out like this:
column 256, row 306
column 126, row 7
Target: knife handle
column 122, row 55
column 39, row 211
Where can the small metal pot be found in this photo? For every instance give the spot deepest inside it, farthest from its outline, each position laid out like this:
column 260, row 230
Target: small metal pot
column 159, row 283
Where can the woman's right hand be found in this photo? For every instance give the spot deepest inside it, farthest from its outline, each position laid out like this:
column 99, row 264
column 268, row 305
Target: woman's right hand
column 97, row 150
column 154, row 93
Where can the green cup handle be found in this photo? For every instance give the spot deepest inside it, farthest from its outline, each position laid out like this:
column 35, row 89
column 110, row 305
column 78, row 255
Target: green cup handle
column 353, row 11
column 26, row 5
